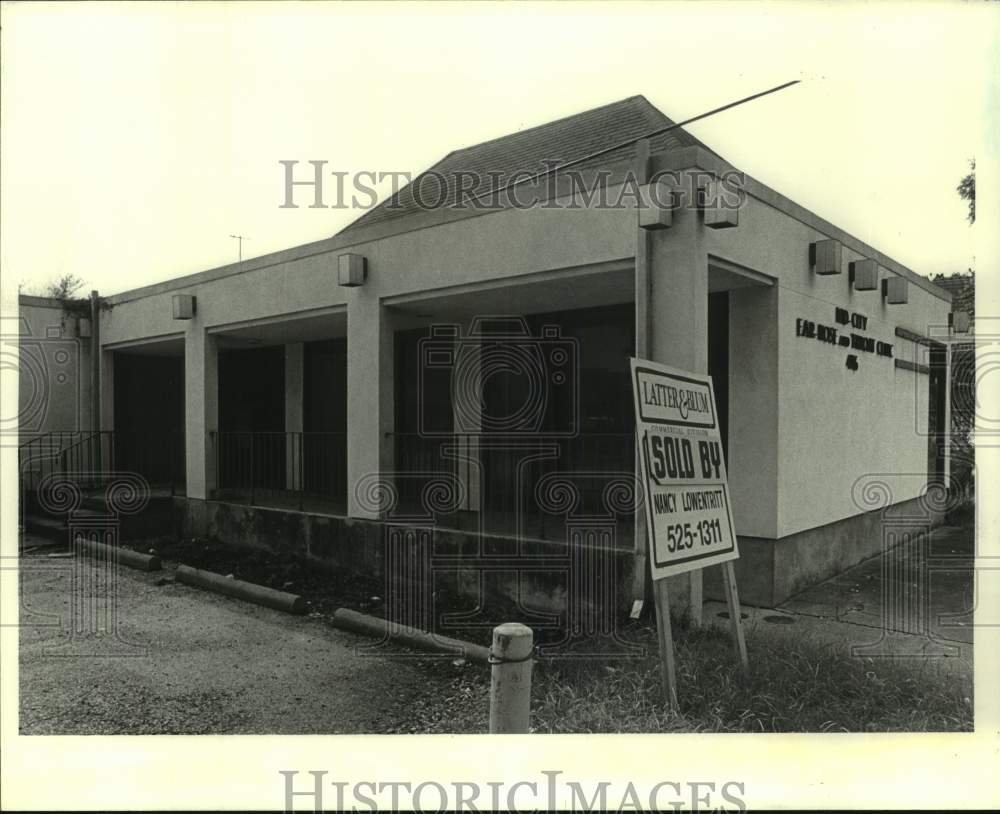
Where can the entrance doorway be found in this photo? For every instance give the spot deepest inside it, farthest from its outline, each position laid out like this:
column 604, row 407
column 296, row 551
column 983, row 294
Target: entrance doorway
column 149, row 416
column 718, row 360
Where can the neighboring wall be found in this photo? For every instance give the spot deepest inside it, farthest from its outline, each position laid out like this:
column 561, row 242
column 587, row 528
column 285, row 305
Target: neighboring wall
column 53, row 367
column 834, row 425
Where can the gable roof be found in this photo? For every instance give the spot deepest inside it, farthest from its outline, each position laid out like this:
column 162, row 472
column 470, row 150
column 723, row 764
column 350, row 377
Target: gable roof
column 532, row 151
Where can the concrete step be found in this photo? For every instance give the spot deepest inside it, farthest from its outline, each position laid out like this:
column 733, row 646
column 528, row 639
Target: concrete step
column 52, row 528
column 55, row 527
column 155, row 520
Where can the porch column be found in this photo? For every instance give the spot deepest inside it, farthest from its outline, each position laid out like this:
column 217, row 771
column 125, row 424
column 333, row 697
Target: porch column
column 201, row 409
column 469, row 464
column 294, row 413
column 370, row 401
column 107, row 421
column 672, row 316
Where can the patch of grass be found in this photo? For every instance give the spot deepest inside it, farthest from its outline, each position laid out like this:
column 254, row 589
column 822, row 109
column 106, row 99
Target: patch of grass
column 794, row 685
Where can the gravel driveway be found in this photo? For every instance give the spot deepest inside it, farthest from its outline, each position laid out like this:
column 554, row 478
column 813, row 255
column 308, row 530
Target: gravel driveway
column 187, row 662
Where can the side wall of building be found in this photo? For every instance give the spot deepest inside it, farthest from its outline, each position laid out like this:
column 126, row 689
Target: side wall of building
column 54, row 369
column 836, row 427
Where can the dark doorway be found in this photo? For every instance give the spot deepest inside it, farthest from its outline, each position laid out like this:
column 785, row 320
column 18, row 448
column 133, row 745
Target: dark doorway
column 252, row 390
column 424, row 418
column 576, row 417
column 546, row 394
column 718, row 360
column 252, row 445
column 149, row 417
column 324, row 441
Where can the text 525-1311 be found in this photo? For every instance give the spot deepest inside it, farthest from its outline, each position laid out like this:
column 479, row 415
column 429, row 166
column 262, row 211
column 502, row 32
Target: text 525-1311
column 682, row 536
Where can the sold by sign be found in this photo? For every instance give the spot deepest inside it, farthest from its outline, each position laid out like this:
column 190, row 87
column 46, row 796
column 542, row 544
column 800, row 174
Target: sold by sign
column 684, row 473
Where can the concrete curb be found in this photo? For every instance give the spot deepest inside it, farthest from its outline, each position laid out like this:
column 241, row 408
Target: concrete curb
column 379, row 628
column 133, row 559
column 247, row 591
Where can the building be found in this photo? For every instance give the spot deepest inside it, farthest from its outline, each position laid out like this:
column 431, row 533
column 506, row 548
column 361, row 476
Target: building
column 962, row 367
column 458, row 374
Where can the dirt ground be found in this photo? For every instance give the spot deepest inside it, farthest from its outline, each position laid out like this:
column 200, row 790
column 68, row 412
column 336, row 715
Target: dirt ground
column 179, row 660
column 186, row 661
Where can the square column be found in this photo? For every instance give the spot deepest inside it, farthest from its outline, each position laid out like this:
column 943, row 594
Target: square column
column 370, row 405
column 678, row 294
column 294, row 413
column 672, row 329
column 107, row 390
column 201, row 409
column 468, row 426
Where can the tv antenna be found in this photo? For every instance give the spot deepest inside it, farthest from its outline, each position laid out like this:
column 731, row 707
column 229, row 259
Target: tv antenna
column 240, row 238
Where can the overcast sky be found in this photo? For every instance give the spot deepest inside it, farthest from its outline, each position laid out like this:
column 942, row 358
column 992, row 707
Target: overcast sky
column 136, row 139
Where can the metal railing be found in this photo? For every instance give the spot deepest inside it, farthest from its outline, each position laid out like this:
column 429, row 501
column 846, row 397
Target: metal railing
column 93, row 456
column 40, row 456
column 158, row 455
column 286, row 467
column 523, row 484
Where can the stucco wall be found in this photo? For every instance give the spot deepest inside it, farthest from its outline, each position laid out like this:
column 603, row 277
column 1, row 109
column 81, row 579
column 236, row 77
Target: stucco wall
column 753, row 410
column 495, row 246
column 837, row 425
column 834, row 425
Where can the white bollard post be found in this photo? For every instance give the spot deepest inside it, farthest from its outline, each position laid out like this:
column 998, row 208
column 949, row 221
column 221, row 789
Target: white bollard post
column 510, row 679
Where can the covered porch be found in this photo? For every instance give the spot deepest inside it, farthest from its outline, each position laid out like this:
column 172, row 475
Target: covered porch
column 512, row 409
column 281, row 414
column 503, row 409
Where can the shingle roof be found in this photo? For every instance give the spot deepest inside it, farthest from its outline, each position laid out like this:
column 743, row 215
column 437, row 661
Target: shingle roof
column 535, row 150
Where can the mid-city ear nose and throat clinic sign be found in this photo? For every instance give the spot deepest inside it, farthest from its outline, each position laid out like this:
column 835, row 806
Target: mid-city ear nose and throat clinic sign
column 689, row 517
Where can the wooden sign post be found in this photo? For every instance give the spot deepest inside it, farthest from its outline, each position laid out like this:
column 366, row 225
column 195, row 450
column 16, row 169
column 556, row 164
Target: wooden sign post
column 689, row 518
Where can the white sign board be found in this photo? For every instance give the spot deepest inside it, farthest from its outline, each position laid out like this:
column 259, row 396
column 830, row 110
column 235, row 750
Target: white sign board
column 689, row 517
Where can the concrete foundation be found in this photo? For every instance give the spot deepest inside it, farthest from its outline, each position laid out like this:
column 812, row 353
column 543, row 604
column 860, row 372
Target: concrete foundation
column 545, row 577
column 537, row 580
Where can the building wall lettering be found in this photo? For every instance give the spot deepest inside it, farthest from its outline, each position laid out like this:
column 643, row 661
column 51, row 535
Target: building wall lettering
column 853, row 340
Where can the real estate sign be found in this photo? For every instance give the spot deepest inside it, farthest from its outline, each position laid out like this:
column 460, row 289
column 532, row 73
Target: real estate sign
column 689, row 516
